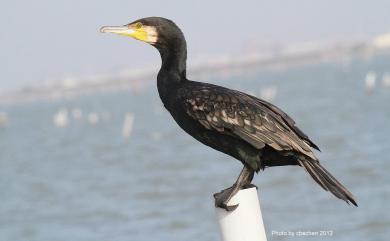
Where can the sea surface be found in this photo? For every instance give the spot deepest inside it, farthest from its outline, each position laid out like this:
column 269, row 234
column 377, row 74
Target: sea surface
column 82, row 180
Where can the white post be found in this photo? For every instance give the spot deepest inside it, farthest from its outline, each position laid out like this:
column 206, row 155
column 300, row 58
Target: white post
column 246, row 222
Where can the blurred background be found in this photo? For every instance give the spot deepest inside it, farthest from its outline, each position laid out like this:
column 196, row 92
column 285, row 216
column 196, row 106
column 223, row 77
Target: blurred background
column 87, row 152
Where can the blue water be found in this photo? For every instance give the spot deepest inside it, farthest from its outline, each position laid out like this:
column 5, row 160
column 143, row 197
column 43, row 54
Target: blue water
column 86, row 182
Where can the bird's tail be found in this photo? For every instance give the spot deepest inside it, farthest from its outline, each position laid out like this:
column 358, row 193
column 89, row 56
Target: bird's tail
column 326, row 180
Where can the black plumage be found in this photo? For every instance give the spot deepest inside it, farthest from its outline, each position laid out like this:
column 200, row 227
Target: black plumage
column 249, row 129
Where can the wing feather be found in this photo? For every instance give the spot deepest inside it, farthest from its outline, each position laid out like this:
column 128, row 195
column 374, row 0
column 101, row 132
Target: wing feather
column 257, row 122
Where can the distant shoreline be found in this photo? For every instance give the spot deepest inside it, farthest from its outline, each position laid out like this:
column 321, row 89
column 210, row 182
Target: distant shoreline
column 277, row 58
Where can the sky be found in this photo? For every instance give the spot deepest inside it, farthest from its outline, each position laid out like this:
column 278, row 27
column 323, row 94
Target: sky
column 48, row 40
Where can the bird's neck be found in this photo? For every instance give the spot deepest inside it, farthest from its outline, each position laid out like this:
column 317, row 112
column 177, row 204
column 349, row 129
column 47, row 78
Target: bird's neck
column 173, row 58
column 173, row 67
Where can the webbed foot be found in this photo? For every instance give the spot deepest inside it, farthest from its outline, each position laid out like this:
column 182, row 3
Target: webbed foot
column 223, row 197
column 243, row 181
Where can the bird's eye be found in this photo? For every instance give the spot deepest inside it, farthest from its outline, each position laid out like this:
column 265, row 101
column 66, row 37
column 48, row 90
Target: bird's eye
column 138, row 25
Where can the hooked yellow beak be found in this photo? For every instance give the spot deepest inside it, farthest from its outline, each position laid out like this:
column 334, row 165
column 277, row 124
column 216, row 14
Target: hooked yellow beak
column 144, row 33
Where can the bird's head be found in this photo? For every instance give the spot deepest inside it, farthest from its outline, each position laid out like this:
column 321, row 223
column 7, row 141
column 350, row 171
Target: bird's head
column 156, row 31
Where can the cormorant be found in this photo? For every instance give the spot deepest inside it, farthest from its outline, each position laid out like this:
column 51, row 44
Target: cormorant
column 249, row 129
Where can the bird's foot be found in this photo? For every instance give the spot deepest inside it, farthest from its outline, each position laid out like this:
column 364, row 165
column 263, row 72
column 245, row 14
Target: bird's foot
column 223, row 197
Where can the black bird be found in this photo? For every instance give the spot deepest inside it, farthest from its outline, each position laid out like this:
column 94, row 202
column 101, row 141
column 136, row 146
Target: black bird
column 249, row 129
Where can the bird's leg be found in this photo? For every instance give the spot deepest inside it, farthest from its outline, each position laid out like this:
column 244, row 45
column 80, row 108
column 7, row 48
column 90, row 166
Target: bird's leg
column 243, row 181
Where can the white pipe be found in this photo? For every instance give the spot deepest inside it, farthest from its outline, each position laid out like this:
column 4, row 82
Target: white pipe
column 246, row 222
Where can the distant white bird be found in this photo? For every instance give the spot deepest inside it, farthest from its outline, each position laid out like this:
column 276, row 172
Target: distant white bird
column 370, row 81
column 60, row 119
column 268, row 93
column 386, row 80
column 3, row 119
column 128, row 125
column 93, row 118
